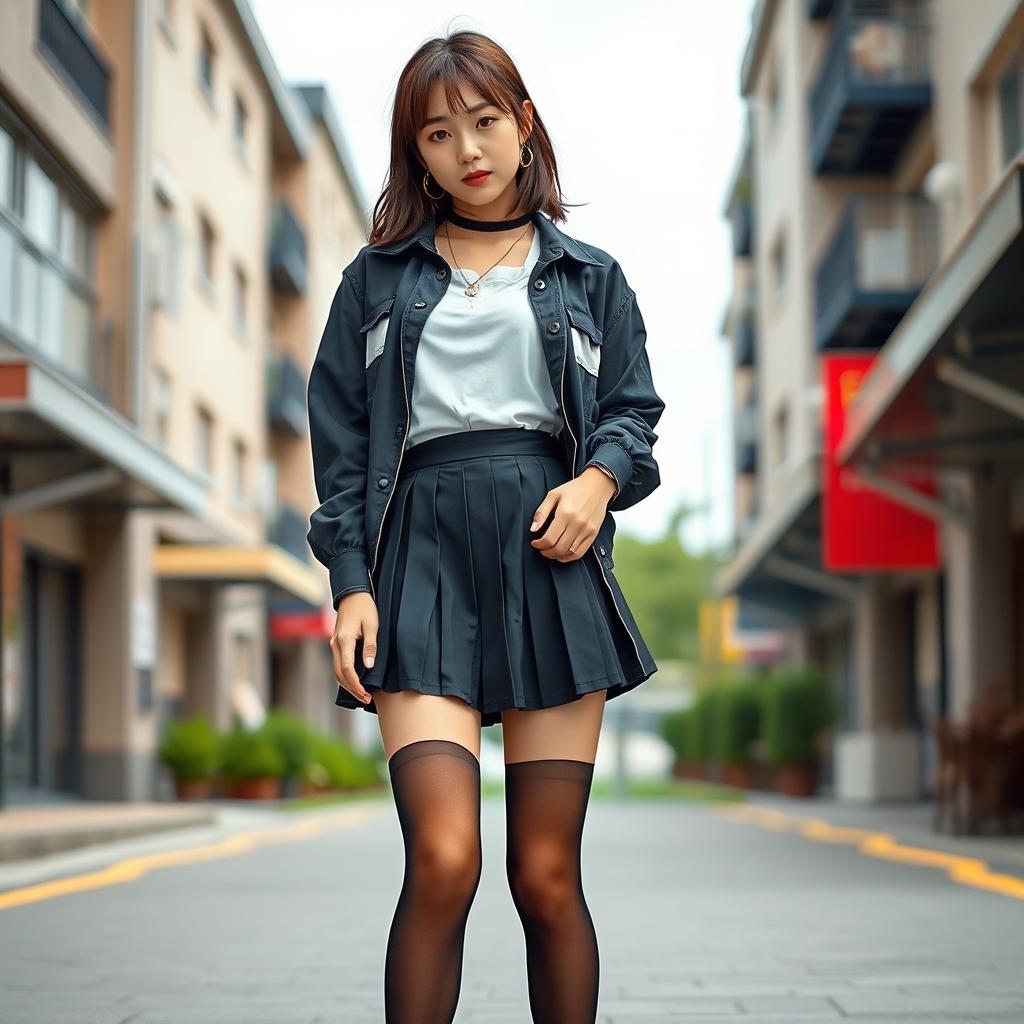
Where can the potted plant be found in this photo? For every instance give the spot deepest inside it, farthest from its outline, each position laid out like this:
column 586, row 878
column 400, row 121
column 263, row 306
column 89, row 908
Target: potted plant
column 797, row 706
column 739, row 726
column 190, row 750
column 251, row 763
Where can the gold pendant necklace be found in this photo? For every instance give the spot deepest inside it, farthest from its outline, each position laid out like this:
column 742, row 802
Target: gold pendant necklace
column 473, row 289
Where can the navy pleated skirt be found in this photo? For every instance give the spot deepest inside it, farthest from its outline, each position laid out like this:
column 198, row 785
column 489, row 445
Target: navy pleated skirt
column 468, row 608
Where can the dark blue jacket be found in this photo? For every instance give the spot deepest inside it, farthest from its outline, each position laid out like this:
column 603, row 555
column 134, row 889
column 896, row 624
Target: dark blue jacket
column 594, row 341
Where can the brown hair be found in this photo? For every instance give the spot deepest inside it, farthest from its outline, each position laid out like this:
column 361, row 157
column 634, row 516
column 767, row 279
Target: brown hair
column 474, row 59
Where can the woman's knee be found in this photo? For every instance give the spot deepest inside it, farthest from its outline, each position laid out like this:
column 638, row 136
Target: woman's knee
column 446, row 868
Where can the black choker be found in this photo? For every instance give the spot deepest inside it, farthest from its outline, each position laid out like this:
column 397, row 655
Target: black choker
column 487, row 225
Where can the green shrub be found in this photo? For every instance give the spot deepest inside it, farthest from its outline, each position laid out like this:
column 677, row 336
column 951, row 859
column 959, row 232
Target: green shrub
column 739, row 722
column 702, row 725
column 675, row 729
column 250, row 754
column 796, row 706
column 293, row 738
column 190, row 749
column 334, row 763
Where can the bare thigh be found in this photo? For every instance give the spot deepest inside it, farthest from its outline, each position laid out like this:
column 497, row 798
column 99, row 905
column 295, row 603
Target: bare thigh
column 409, row 715
column 566, row 731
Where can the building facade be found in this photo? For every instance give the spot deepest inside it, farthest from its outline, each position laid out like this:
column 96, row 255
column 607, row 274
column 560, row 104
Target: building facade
column 876, row 210
column 174, row 219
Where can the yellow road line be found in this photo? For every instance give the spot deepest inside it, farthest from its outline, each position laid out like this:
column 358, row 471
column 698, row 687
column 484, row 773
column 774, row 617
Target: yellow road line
column 962, row 870
column 230, row 846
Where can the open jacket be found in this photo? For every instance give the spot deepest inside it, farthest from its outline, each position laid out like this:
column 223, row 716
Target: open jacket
column 594, row 342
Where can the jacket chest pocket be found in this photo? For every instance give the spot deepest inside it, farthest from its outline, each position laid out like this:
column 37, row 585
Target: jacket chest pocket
column 586, row 346
column 376, row 330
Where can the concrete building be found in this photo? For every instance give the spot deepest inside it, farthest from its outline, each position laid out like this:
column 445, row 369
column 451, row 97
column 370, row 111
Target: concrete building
column 174, row 219
column 877, row 208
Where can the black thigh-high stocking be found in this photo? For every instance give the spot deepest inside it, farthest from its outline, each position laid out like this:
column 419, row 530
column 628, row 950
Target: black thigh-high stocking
column 436, row 785
column 545, row 807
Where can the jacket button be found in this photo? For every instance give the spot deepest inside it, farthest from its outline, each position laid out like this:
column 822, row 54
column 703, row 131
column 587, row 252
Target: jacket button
column 602, row 549
column 540, row 284
column 554, row 327
column 382, row 482
column 441, row 274
column 419, row 305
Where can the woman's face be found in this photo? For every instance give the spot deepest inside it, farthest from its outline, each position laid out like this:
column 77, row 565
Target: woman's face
column 484, row 138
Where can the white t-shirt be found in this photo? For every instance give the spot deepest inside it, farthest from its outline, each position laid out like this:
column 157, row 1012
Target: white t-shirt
column 480, row 361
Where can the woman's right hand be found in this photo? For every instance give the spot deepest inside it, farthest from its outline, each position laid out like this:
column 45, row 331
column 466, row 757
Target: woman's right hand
column 357, row 617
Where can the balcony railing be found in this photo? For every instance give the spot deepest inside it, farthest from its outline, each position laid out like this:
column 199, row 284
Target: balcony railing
column 288, row 262
column 66, row 45
column 742, row 217
column 289, row 531
column 746, row 428
column 873, row 88
column 286, row 396
column 883, row 252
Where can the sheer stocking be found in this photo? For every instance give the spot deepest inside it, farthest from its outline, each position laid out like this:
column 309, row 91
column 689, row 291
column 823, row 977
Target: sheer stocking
column 545, row 807
column 436, row 785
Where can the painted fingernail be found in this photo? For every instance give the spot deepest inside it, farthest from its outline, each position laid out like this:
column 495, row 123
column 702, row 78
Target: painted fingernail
column 369, row 661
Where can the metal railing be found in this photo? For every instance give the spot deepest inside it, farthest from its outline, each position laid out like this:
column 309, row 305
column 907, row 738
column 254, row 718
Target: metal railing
column 65, row 43
column 288, row 260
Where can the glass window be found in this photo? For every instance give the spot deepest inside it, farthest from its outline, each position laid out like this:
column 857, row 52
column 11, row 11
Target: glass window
column 206, row 244
column 239, row 471
column 40, row 207
column 241, row 121
column 206, row 59
column 28, row 278
column 8, row 247
column 241, row 293
column 162, row 405
column 1011, row 111
column 204, row 441
column 6, row 171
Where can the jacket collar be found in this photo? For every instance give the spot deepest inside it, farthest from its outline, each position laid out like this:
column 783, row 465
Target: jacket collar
column 552, row 240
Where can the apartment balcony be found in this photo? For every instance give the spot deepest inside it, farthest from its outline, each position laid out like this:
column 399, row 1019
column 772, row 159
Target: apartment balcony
column 288, row 261
column 745, row 427
column 818, row 10
column 289, row 531
column 746, row 328
column 64, row 41
column 883, row 252
column 873, row 88
column 742, row 218
column 286, row 396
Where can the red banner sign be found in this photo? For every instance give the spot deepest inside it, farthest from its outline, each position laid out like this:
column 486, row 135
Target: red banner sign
column 297, row 625
column 862, row 529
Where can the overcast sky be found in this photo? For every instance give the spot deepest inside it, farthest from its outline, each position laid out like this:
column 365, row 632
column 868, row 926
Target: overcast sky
column 642, row 103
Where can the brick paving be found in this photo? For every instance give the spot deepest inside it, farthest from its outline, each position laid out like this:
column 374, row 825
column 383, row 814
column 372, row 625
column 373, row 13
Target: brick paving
column 700, row 918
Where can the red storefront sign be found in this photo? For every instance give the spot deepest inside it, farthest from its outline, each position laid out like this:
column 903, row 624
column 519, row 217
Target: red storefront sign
column 296, row 625
column 863, row 530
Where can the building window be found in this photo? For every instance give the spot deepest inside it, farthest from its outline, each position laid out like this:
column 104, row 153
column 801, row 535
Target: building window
column 207, row 56
column 1011, row 109
column 167, row 259
column 782, row 434
column 780, row 265
column 207, row 245
column 204, row 441
column 775, row 94
column 241, row 299
column 241, row 127
column 238, row 474
column 47, row 298
column 162, row 406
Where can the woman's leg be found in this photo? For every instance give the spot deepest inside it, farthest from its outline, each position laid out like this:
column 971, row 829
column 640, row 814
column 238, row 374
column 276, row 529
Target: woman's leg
column 436, row 786
column 549, row 765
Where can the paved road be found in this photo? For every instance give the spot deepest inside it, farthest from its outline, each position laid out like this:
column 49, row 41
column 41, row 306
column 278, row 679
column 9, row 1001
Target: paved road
column 701, row 917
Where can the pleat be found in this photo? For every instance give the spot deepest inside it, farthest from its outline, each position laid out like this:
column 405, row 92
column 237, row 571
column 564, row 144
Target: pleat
column 469, row 608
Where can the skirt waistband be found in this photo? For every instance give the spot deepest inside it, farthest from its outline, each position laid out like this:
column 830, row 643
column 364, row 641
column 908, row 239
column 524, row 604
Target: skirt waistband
column 467, row 444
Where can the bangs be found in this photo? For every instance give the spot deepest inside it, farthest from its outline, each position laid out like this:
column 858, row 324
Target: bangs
column 454, row 74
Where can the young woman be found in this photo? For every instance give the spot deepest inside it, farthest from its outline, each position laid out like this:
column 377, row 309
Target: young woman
column 480, row 402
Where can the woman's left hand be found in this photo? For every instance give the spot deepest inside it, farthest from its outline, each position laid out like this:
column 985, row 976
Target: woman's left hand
column 578, row 509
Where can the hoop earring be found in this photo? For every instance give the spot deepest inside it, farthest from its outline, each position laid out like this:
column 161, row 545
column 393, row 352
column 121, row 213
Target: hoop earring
column 425, row 189
column 530, row 151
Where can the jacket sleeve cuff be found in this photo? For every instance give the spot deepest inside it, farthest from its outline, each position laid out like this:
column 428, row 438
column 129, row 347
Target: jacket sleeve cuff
column 349, row 572
column 614, row 457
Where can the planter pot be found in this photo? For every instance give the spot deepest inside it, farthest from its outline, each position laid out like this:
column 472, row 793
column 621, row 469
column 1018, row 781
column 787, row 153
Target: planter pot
column 263, row 788
column 736, row 773
column 193, row 789
column 797, row 778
